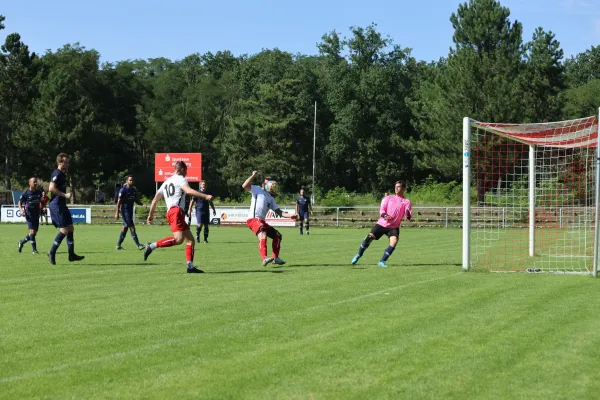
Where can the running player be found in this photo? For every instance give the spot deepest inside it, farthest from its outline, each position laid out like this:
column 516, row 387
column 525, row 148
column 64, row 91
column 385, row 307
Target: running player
column 173, row 190
column 29, row 204
column 392, row 211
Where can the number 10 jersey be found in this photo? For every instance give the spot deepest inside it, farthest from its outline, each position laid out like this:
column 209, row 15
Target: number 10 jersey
column 172, row 191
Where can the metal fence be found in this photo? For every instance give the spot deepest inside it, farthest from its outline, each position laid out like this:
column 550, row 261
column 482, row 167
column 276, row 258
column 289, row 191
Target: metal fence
column 361, row 217
column 357, row 217
column 367, row 216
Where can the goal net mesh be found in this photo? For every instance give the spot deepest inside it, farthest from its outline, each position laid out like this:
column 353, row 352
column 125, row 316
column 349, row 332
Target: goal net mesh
column 561, row 238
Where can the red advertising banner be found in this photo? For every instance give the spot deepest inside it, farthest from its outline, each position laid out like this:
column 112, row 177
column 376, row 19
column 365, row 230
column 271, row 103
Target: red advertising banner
column 164, row 165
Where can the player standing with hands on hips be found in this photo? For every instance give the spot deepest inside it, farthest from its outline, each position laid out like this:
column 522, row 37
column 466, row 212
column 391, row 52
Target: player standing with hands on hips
column 393, row 209
column 173, row 190
column 263, row 201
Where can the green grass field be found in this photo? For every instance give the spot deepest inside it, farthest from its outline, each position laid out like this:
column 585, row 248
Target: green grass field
column 115, row 327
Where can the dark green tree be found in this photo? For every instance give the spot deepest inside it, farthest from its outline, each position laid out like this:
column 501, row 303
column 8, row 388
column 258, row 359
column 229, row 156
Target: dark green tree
column 584, row 67
column 365, row 93
column 543, row 78
column 18, row 69
column 479, row 79
column 582, row 101
column 272, row 126
column 67, row 117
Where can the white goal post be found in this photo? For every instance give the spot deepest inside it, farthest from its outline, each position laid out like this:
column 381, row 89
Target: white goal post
column 530, row 196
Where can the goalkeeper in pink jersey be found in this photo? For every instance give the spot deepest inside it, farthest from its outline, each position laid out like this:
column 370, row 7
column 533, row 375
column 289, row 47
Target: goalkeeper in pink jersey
column 393, row 209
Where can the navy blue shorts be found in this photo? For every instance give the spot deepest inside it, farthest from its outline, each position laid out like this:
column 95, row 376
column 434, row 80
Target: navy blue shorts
column 33, row 221
column 127, row 219
column 61, row 216
column 202, row 218
column 302, row 216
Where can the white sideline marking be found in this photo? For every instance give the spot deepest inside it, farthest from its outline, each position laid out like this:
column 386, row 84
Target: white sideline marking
column 383, row 291
column 158, row 345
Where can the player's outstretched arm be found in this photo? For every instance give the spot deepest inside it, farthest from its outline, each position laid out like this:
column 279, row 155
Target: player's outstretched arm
column 285, row 214
column 191, row 192
column 248, row 182
column 157, row 197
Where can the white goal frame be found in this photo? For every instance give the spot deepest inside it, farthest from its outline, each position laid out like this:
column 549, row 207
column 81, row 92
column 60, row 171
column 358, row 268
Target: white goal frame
column 467, row 190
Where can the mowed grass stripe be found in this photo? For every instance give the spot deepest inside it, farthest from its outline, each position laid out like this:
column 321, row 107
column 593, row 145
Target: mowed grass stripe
column 317, row 327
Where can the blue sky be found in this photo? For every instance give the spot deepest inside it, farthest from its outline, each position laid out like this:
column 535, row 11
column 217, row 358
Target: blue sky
column 130, row 29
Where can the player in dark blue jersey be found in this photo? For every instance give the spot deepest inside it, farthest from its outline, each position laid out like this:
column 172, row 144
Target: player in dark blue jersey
column 303, row 210
column 202, row 212
column 125, row 199
column 29, row 204
column 59, row 212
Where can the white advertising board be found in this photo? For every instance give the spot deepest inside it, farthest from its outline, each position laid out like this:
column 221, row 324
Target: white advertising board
column 239, row 215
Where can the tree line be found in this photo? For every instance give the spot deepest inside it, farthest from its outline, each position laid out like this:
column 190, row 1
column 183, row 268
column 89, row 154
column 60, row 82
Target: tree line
column 382, row 115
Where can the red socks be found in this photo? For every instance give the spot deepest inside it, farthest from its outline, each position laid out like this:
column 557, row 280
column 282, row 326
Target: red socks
column 189, row 252
column 262, row 247
column 166, row 242
column 276, row 247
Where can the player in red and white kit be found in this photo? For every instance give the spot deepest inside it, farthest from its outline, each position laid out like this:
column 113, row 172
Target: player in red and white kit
column 262, row 202
column 392, row 211
column 173, row 190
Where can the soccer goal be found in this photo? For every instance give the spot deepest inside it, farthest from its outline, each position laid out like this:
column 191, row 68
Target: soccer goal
column 530, row 196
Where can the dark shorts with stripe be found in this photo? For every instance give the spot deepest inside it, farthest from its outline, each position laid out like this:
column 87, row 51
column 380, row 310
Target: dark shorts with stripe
column 202, row 218
column 378, row 231
column 303, row 216
column 61, row 216
column 33, row 220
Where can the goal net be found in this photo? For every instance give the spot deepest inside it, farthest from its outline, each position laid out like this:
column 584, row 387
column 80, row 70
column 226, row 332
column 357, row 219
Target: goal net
column 529, row 196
